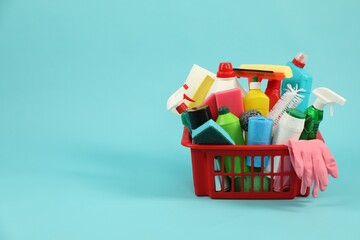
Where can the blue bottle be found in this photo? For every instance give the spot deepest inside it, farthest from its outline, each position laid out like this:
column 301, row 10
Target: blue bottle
column 259, row 133
column 301, row 78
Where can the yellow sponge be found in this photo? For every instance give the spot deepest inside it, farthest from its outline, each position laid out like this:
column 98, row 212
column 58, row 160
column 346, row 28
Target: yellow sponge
column 268, row 67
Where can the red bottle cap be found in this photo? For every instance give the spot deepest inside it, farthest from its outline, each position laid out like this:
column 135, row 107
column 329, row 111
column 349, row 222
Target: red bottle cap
column 225, row 70
column 181, row 108
column 300, row 60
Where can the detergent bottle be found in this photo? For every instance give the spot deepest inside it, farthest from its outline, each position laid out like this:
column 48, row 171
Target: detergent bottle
column 301, row 79
column 256, row 98
column 314, row 114
column 231, row 124
column 225, row 80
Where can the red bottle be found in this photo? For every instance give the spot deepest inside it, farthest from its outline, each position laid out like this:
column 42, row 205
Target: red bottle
column 273, row 92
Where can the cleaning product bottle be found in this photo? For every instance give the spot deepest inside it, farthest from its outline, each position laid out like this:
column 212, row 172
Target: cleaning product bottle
column 314, row 113
column 225, row 80
column 273, row 91
column 290, row 127
column 300, row 79
column 231, row 124
column 256, row 99
column 290, row 99
column 193, row 91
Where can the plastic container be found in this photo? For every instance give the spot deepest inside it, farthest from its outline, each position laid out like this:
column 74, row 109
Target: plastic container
column 314, row 113
column 231, row 124
column 206, row 173
column 300, row 79
column 225, row 80
column 256, row 99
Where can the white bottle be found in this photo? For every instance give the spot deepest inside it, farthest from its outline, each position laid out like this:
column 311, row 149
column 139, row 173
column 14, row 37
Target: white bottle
column 225, row 80
column 290, row 127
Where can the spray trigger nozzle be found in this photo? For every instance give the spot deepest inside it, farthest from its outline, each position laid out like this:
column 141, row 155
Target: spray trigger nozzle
column 326, row 96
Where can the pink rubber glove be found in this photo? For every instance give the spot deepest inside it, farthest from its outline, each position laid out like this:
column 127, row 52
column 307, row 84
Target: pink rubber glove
column 312, row 162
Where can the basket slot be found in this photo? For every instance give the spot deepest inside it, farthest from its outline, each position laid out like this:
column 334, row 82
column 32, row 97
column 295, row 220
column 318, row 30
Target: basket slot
column 255, row 180
column 217, row 164
column 222, row 182
column 282, row 172
column 262, row 176
column 242, row 187
column 217, row 181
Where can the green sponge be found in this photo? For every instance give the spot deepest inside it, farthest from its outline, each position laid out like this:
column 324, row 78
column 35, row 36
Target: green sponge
column 211, row 133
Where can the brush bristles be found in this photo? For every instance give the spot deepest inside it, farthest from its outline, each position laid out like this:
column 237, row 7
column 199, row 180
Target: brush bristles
column 290, row 99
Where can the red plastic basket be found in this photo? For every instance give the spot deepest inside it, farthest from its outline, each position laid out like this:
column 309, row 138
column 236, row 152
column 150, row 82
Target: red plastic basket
column 211, row 180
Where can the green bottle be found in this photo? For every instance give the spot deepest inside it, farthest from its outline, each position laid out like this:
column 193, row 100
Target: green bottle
column 312, row 121
column 231, row 124
column 314, row 114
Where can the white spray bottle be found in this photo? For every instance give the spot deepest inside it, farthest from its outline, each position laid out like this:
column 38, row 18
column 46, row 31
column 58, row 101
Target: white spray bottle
column 193, row 92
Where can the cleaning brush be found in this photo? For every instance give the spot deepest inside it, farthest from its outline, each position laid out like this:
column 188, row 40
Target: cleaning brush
column 290, row 99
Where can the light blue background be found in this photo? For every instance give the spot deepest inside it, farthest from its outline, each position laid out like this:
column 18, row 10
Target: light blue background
column 88, row 150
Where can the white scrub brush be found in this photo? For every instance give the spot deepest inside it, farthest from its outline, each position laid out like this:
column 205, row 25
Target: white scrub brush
column 290, row 99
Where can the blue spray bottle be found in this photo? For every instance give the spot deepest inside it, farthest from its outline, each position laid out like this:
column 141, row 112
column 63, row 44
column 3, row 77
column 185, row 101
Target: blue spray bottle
column 300, row 79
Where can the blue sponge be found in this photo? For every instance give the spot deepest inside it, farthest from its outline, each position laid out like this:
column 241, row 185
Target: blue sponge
column 211, row 133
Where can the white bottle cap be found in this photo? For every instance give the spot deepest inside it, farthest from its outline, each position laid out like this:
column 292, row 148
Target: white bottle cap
column 255, row 85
